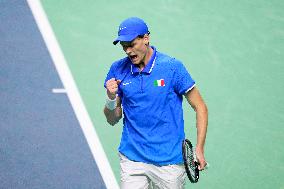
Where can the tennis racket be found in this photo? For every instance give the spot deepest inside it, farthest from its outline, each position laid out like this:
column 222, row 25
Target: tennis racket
column 190, row 162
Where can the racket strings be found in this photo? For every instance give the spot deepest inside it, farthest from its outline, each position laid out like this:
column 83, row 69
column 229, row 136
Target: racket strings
column 190, row 160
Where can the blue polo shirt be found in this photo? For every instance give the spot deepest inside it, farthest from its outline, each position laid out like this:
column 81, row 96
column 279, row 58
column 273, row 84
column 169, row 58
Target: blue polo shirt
column 153, row 125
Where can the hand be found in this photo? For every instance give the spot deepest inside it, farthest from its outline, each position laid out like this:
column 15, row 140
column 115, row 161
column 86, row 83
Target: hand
column 200, row 158
column 112, row 88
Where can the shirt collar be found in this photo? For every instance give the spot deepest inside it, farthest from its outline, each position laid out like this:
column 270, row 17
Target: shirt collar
column 149, row 67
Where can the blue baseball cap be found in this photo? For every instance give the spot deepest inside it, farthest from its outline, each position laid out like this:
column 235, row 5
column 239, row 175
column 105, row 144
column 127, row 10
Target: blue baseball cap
column 130, row 28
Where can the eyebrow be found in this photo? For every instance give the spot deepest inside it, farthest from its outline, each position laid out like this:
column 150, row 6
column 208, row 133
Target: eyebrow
column 126, row 43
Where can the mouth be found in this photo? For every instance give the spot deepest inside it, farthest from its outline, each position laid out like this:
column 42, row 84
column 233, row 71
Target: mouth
column 133, row 58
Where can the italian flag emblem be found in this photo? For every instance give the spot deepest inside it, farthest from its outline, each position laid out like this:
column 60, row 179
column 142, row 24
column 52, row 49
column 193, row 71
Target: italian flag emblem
column 159, row 83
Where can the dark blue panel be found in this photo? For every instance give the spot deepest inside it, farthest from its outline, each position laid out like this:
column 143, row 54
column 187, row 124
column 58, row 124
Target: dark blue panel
column 41, row 143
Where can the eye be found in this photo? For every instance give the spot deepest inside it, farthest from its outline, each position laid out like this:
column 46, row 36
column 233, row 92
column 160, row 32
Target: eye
column 125, row 46
column 131, row 45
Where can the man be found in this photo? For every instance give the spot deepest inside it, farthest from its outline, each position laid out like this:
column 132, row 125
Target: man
column 148, row 88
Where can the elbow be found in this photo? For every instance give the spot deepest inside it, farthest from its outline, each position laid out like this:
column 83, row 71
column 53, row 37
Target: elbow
column 112, row 123
column 112, row 117
column 201, row 108
column 113, row 120
column 205, row 109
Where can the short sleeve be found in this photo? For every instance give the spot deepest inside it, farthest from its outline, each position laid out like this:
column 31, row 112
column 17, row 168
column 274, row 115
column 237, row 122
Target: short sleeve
column 183, row 81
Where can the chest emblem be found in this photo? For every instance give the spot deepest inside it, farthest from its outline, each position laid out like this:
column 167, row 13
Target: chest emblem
column 159, row 83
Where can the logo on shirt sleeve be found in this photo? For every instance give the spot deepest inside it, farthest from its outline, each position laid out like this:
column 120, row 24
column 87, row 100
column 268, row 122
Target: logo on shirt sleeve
column 159, row 83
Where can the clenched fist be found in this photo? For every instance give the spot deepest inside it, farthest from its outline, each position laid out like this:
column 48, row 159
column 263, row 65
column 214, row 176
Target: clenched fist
column 112, row 88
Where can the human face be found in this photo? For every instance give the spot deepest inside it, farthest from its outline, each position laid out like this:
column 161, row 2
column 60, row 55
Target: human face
column 137, row 49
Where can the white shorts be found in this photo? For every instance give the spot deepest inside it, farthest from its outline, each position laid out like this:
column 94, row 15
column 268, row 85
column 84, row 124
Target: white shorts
column 138, row 175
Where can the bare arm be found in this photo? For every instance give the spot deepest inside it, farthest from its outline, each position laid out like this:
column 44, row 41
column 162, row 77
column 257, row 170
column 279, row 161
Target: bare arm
column 196, row 102
column 113, row 115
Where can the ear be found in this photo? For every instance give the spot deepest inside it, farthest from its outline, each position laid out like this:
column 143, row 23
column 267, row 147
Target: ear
column 146, row 39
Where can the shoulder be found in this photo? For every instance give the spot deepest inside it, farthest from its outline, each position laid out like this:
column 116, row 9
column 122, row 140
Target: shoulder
column 120, row 63
column 168, row 61
column 120, row 68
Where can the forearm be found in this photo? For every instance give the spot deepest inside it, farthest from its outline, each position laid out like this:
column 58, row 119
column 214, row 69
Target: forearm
column 113, row 116
column 112, row 109
column 201, row 125
column 195, row 100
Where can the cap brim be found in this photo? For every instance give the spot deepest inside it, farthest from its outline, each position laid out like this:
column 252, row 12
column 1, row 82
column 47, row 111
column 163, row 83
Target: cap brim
column 125, row 38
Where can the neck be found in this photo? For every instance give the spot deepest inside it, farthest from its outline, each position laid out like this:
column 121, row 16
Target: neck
column 147, row 58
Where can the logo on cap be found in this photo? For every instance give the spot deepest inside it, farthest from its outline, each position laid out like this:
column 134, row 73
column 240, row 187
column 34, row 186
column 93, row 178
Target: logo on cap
column 122, row 28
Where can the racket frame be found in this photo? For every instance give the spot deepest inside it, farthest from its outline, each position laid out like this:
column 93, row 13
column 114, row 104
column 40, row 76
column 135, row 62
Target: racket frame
column 186, row 163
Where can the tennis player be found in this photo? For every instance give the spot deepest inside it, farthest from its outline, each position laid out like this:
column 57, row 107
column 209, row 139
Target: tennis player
column 148, row 87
